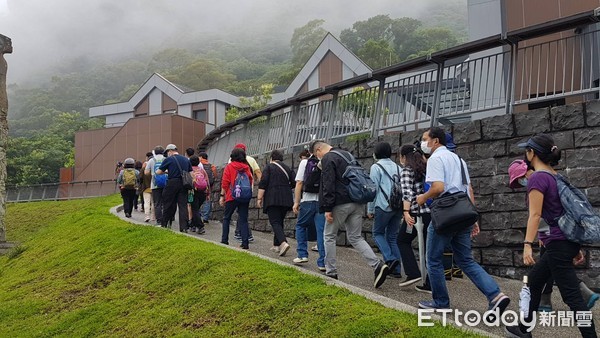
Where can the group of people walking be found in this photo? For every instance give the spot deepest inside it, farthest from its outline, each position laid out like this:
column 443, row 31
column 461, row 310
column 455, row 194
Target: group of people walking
column 159, row 181
column 321, row 196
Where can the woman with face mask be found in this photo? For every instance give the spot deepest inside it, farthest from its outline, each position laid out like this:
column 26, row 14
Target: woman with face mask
column 519, row 174
column 544, row 202
column 412, row 180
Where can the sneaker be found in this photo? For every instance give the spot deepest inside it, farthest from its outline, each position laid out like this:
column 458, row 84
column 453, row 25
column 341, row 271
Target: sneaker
column 238, row 237
column 515, row 332
column 201, row 231
column 274, row 249
column 592, row 300
column 456, row 272
column 322, row 268
column 395, row 275
column 299, row 260
column 244, row 247
column 315, row 248
column 410, row 281
column 423, row 288
column 429, row 304
column 393, row 264
column 205, row 221
column 501, row 303
column 128, row 215
column 381, row 272
column 251, row 238
column 147, row 220
column 332, row 275
column 283, row 248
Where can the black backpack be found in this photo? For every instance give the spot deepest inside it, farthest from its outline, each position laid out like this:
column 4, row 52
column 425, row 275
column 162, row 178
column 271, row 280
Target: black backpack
column 312, row 176
column 361, row 188
column 209, row 172
column 395, row 199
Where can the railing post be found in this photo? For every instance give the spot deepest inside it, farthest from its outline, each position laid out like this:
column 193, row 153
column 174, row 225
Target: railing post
column 378, row 109
column 435, row 113
column 293, row 136
column 332, row 115
column 30, row 193
column 44, row 193
column 512, row 75
column 18, row 193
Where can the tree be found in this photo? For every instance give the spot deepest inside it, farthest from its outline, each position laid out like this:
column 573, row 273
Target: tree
column 203, row 74
column 377, row 28
column 428, row 40
column 377, row 54
column 169, row 61
column 305, row 41
column 260, row 99
column 403, row 30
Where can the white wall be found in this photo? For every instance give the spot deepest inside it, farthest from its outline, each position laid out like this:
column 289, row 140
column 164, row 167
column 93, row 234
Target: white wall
column 117, row 119
column 155, row 104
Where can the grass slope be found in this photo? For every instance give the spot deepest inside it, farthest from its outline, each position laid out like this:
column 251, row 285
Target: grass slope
column 83, row 272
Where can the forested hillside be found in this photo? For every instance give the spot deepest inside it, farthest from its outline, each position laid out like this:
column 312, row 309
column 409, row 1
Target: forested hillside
column 43, row 118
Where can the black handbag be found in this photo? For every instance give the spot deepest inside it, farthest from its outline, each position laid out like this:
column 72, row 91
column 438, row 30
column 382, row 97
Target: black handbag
column 186, row 178
column 453, row 212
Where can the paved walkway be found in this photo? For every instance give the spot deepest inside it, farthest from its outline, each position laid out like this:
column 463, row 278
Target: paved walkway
column 355, row 275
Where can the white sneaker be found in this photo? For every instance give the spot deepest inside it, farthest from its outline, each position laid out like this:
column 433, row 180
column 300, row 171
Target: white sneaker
column 274, row 249
column 283, row 248
column 315, row 248
column 299, row 260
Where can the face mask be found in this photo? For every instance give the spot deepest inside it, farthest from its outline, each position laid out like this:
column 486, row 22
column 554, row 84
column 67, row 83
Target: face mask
column 425, row 148
column 522, row 181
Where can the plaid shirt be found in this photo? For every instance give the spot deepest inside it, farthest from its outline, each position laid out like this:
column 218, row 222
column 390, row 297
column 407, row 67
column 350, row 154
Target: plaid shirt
column 410, row 189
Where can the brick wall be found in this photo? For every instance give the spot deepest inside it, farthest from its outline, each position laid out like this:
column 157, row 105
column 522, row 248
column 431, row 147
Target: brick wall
column 489, row 146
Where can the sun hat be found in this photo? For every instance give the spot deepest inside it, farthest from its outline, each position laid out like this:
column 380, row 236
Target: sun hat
column 516, row 170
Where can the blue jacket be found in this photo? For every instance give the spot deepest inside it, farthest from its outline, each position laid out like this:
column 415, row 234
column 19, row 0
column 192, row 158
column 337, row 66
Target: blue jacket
column 384, row 183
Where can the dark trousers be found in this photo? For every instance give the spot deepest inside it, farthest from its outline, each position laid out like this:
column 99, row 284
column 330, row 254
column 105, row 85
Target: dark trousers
column 557, row 262
column 141, row 195
column 242, row 221
column 175, row 197
column 276, row 216
column 158, row 204
column 199, row 197
column 128, row 199
column 411, row 268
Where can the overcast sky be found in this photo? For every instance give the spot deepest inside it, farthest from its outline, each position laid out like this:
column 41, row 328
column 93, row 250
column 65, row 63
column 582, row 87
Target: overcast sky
column 44, row 32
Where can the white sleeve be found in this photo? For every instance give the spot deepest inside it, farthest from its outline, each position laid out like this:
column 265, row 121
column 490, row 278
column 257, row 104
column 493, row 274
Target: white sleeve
column 301, row 169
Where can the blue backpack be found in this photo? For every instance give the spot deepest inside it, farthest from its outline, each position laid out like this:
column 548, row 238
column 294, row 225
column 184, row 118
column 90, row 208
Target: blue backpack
column 160, row 181
column 361, row 188
column 580, row 223
column 241, row 190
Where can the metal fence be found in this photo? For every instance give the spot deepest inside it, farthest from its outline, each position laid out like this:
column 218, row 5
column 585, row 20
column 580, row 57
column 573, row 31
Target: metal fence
column 60, row 191
column 482, row 78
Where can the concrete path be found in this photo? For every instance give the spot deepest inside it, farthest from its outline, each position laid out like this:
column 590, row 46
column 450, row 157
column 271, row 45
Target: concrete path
column 355, row 275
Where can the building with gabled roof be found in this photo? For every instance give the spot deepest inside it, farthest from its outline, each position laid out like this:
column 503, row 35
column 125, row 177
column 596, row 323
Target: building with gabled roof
column 163, row 112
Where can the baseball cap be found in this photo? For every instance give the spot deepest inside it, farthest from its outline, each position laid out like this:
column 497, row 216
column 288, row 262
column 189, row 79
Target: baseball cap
column 533, row 145
column 241, row 146
column 171, row 147
column 450, row 142
column 516, row 170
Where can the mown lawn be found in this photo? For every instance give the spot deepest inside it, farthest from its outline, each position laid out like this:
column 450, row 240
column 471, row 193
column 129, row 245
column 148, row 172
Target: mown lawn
column 81, row 271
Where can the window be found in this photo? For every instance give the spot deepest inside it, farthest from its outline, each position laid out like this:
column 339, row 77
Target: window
column 200, row 115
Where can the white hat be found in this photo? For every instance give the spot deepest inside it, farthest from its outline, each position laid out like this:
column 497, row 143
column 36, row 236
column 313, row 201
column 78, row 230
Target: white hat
column 171, row 147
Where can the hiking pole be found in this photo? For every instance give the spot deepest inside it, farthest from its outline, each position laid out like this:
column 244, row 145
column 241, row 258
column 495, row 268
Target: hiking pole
column 421, row 239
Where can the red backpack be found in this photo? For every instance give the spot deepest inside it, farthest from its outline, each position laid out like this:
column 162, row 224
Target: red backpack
column 200, row 181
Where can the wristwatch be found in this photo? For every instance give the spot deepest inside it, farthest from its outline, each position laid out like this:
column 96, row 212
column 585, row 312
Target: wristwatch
column 528, row 243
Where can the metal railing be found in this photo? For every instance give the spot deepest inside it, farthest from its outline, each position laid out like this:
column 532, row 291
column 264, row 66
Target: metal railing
column 60, row 191
column 481, row 78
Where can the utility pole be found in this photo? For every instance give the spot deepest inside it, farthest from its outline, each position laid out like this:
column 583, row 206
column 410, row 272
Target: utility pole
column 5, row 48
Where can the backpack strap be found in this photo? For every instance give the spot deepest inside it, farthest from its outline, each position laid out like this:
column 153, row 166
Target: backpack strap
column 380, row 188
column 350, row 161
column 284, row 171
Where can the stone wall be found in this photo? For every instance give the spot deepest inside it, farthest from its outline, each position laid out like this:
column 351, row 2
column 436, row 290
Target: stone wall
column 489, row 146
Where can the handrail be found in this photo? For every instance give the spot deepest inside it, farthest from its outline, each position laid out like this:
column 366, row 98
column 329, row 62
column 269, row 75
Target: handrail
column 436, row 63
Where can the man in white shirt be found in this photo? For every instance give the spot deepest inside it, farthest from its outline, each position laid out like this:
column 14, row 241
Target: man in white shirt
column 445, row 176
column 306, row 206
